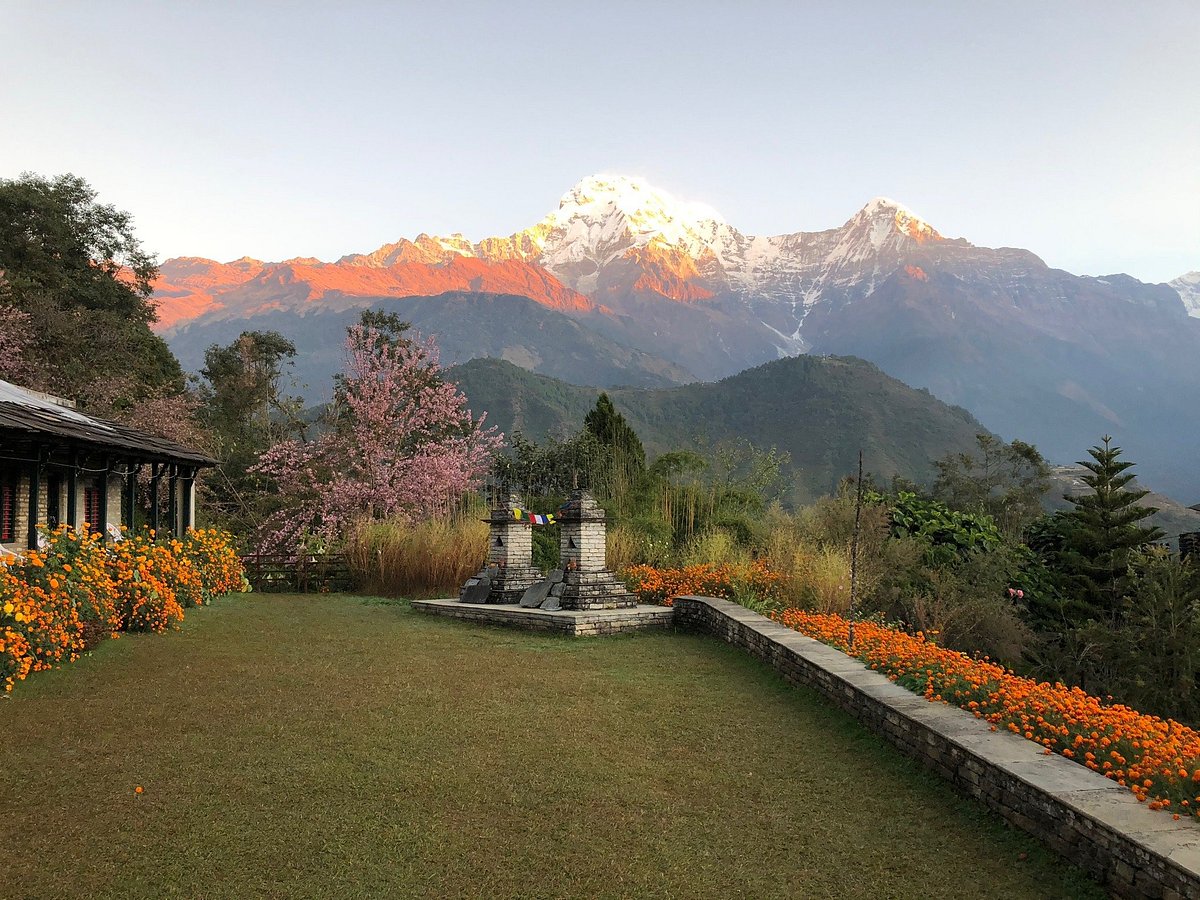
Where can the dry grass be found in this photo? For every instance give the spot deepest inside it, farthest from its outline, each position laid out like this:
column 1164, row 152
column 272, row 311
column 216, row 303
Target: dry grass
column 334, row 746
column 623, row 548
column 715, row 546
column 430, row 558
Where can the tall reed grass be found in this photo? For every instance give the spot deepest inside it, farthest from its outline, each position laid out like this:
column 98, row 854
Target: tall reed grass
column 431, row 558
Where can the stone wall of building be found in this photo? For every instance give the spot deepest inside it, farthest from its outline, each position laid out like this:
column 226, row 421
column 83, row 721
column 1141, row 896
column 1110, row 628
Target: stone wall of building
column 113, row 514
column 21, row 517
column 1089, row 820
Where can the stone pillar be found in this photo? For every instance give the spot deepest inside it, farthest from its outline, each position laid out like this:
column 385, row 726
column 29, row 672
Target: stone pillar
column 587, row 583
column 509, row 564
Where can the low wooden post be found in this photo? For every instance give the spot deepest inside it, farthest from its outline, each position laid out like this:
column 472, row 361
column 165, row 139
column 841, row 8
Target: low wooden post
column 131, row 477
column 155, row 476
column 102, row 525
column 173, row 501
column 35, row 492
column 73, row 492
column 854, row 553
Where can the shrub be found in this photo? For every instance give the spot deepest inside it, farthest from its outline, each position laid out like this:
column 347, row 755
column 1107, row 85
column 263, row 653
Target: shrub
column 67, row 596
column 178, row 570
column 75, row 565
column 430, row 557
column 213, row 554
column 17, row 614
column 16, row 658
column 143, row 572
column 49, row 617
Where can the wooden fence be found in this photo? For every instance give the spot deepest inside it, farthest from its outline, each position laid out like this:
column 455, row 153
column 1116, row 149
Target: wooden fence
column 320, row 573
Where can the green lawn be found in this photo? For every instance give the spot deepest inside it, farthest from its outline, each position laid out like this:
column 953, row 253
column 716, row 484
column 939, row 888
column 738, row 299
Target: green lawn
column 336, row 746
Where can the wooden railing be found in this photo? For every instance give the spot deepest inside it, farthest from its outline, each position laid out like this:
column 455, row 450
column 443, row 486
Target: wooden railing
column 318, row 573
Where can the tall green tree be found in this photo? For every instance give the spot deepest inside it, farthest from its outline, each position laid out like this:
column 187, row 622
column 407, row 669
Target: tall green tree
column 1004, row 481
column 243, row 387
column 622, row 465
column 75, row 267
column 1102, row 533
column 245, row 407
column 612, row 430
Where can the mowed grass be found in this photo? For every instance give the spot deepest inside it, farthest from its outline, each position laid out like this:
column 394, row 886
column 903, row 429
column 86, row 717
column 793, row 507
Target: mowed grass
column 345, row 747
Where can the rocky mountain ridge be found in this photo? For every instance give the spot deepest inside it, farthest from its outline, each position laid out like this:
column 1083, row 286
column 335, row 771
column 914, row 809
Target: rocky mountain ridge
column 1034, row 352
column 1188, row 287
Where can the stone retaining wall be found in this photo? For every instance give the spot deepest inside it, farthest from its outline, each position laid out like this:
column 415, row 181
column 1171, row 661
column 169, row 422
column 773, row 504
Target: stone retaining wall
column 577, row 623
column 1088, row 819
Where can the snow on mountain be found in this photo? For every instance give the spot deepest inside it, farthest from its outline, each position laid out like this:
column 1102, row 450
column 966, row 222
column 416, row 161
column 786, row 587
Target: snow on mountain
column 1188, row 287
column 616, row 233
column 606, row 218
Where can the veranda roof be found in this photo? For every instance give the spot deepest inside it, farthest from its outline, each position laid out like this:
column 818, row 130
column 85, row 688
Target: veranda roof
column 29, row 415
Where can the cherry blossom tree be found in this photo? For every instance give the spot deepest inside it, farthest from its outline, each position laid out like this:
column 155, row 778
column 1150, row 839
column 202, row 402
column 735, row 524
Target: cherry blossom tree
column 403, row 446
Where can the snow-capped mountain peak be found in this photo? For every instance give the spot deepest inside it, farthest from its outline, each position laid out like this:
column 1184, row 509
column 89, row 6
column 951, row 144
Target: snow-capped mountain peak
column 644, row 207
column 609, row 222
column 887, row 216
column 1188, row 287
column 604, row 217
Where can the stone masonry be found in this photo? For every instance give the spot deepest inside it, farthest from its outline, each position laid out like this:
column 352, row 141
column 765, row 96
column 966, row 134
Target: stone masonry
column 510, row 554
column 576, row 623
column 587, row 583
column 1086, row 818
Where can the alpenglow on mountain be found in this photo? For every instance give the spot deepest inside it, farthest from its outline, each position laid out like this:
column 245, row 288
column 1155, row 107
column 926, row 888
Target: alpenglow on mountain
column 1034, row 352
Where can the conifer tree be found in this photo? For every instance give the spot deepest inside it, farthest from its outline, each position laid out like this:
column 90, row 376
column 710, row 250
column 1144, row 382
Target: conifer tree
column 1104, row 530
column 625, row 462
column 612, row 430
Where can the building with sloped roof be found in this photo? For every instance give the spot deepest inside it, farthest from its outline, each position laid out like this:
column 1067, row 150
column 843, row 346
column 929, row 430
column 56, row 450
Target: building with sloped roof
column 60, row 466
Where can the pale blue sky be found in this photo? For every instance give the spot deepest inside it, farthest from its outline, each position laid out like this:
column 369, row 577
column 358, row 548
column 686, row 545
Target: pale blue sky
column 296, row 129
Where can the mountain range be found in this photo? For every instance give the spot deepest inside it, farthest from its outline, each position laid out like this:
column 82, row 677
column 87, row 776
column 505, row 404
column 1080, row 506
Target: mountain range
column 820, row 410
column 624, row 284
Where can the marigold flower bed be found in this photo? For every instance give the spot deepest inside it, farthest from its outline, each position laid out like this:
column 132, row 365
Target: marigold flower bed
column 1157, row 759
column 727, row 580
column 64, row 598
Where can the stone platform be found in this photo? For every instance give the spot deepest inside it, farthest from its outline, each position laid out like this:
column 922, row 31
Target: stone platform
column 575, row 622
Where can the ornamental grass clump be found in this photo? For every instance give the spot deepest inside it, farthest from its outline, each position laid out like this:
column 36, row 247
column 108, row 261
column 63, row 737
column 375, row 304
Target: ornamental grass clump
column 1157, row 759
column 427, row 558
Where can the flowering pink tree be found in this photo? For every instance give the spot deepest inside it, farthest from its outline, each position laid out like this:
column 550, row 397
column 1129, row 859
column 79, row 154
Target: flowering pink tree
column 403, row 446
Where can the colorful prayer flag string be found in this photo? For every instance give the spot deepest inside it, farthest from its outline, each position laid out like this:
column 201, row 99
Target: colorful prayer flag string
column 534, row 518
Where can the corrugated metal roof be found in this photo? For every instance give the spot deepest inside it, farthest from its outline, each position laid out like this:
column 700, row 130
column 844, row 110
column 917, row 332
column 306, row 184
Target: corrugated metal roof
column 33, row 414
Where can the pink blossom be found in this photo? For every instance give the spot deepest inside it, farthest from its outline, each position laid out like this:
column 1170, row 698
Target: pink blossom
column 406, row 447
